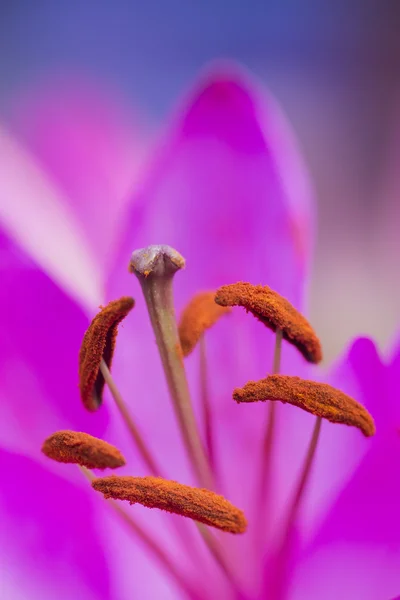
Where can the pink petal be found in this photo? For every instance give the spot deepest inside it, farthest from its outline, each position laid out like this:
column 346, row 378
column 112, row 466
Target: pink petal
column 49, row 544
column 228, row 190
column 341, row 448
column 41, row 333
column 36, row 215
column 358, row 545
column 394, row 370
column 88, row 144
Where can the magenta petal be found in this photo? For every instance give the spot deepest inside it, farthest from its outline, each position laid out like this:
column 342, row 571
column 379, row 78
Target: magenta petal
column 49, row 544
column 358, row 545
column 228, row 190
column 359, row 372
column 377, row 383
column 88, row 145
column 393, row 396
column 41, row 331
column 358, row 548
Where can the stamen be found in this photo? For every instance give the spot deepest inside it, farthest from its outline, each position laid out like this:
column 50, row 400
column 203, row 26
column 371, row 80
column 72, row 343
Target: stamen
column 275, row 312
column 82, row 449
column 199, row 315
column 99, row 343
column 154, row 492
column 153, row 546
column 155, row 267
column 320, row 399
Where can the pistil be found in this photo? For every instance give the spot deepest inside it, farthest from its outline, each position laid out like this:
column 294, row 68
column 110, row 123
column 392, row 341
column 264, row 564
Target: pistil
column 155, row 267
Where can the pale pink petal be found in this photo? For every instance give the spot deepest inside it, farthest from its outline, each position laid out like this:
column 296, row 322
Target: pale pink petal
column 34, row 213
column 91, row 146
column 41, row 332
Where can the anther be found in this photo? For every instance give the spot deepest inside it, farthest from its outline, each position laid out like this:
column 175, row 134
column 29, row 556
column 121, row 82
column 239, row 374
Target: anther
column 155, row 492
column 99, row 343
column 276, row 312
column 82, row 449
column 199, row 315
column 320, row 399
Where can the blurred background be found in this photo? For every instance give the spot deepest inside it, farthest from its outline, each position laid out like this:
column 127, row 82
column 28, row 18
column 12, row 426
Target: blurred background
column 334, row 65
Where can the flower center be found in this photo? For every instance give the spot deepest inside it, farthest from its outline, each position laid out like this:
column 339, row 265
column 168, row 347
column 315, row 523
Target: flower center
column 155, row 268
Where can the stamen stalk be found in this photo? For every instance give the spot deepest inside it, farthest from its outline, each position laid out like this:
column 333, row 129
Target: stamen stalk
column 285, row 548
column 304, row 478
column 205, row 401
column 276, row 367
column 155, row 267
column 219, row 556
column 270, row 431
column 132, row 427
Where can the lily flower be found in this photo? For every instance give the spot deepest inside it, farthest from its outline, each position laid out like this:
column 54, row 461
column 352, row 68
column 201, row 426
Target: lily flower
column 267, row 500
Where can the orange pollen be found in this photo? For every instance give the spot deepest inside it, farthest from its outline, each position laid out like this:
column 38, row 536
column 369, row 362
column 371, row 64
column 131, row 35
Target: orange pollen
column 155, row 492
column 99, row 343
column 82, row 449
column 199, row 315
column 320, row 399
column 276, row 312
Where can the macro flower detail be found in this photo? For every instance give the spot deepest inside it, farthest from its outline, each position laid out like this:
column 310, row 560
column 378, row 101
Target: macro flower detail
column 82, row 449
column 98, row 345
column 320, row 399
column 200, row 314
column 154, row 492
column 155, row 267
column 276, row 312
column 321, row 505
